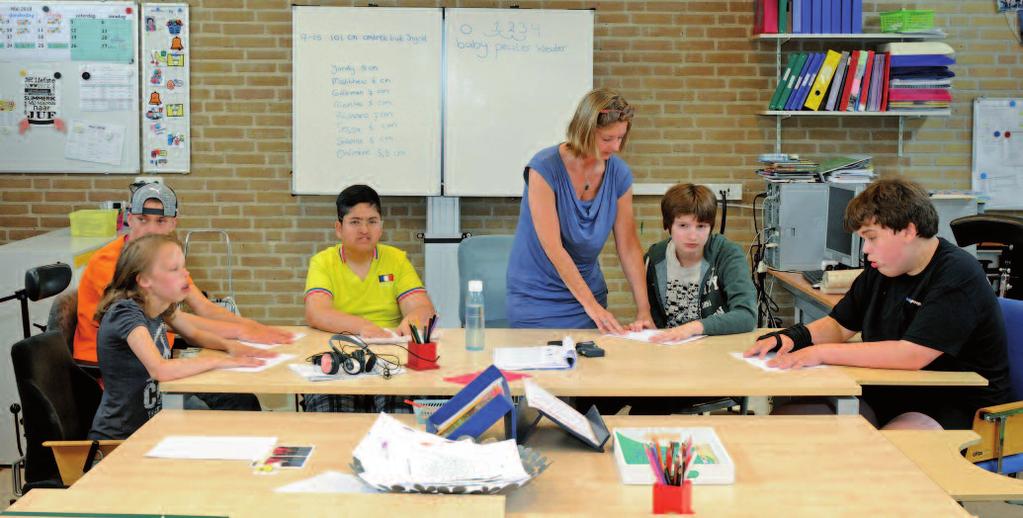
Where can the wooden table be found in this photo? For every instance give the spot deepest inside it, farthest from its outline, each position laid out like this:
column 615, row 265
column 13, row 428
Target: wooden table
column 937, row 453
column 630, row 368
column 809, row 302
column 191, row 499
column 785, row 466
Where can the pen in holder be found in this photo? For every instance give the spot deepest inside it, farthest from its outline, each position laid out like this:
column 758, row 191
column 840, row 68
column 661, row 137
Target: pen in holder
column 422, row 352
column 673, row 493
column 673, row 499
column 422, row 357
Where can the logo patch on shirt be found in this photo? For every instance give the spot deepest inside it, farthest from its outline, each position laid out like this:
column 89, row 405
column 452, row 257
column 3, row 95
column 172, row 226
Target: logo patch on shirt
column 387, row 277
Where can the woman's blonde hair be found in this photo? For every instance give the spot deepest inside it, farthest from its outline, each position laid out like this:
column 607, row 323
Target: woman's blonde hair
column 137, row 258
column 597, row 109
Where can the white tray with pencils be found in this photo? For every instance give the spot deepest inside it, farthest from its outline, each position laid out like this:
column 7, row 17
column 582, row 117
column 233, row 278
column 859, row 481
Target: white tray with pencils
column 711, row 463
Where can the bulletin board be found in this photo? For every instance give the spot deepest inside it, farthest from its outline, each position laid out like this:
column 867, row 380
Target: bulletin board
column 998, row 152
column 69, row 96
column 166, row 109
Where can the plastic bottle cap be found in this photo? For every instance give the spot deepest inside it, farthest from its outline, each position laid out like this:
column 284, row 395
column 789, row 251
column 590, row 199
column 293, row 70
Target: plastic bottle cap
column 476, row 286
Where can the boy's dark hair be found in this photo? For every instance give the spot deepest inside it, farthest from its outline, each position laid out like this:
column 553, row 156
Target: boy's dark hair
column 893, row 203
column 688, row 198
column 354, row 195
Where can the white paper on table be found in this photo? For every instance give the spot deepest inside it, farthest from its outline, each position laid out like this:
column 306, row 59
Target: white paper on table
column 646, row 335
column 762, row 364
column 267, row 363
column 558, row 410
column 213, row 447
column 94, row 142
column 295, row 337
column 329, row 481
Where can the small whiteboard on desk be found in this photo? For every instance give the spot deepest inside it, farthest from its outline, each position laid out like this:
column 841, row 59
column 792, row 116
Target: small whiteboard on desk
column 69, row 100
column 998, row 152
column 514, row 78
column 366, row 99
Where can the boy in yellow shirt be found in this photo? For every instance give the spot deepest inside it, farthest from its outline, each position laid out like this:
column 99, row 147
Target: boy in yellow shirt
column 362, row 287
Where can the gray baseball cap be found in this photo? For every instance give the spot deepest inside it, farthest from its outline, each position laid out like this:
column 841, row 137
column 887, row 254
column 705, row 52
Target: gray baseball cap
column 154, row 191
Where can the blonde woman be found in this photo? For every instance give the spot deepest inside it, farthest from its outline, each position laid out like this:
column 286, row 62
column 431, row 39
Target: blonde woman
column 150, row 280
column 577, row 193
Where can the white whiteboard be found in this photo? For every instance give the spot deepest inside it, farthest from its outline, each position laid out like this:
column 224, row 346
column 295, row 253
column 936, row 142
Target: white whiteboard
column 366, row 86
column 998, row 152
column 514, row 78
column 69, row 87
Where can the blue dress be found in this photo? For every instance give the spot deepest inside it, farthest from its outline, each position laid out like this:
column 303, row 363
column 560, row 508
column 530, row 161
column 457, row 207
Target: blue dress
column 537, row 297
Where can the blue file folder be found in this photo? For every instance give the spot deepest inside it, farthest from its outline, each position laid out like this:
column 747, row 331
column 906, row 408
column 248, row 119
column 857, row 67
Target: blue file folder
column 477, row 420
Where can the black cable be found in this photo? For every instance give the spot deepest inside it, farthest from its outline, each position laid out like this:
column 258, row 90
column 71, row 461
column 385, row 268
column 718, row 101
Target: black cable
column 724, row 209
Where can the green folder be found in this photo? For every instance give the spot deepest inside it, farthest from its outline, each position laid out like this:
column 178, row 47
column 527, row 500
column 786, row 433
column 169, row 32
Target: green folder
column 783, row 16
column 797, row 67
column 781, row 82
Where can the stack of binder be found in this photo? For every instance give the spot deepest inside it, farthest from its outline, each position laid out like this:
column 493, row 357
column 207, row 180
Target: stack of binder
column 920, row 78
column 848, row 81
column 808, row 16
column 847, row 169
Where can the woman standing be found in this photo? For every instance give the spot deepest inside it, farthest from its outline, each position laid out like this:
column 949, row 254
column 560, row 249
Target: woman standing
column 577, row 193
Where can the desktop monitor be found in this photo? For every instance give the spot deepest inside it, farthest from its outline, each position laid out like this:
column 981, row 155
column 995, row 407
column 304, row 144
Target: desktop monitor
column 841, row 245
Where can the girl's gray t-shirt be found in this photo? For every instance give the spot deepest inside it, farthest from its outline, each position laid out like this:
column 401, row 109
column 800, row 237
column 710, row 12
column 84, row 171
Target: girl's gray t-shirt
column 130, row 396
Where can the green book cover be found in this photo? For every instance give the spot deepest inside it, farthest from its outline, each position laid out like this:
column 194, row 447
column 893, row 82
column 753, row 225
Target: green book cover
column 797, row 68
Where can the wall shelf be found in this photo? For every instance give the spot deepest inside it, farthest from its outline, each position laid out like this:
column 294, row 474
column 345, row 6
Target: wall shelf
column 780, row 40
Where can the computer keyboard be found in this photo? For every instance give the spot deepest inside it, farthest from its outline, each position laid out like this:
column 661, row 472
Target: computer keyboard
column 814, row 276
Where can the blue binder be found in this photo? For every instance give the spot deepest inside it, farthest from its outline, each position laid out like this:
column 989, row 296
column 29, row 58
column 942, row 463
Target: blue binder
column 797, row 16
column 477, row 417
column 836, row 16
column 817, row 9
column 826, row 17
column 798, row 97
column 807, row 16
column 846, row 16
column 857, row 17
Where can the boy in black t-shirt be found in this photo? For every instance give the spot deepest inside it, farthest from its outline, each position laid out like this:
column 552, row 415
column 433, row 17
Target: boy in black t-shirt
column 921, row 303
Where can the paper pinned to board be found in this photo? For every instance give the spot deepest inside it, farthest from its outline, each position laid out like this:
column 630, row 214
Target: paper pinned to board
column 95, row 142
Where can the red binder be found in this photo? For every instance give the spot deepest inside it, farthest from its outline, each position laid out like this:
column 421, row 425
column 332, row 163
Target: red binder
column 765, row 17
column 865, row 84
column 843, row 103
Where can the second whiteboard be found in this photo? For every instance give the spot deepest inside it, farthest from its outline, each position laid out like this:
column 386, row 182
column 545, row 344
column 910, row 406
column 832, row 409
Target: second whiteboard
column 514, row 78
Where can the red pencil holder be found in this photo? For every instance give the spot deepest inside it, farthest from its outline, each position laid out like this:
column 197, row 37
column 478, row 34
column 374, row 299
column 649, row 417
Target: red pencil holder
column 422, row 357
column 673, row 499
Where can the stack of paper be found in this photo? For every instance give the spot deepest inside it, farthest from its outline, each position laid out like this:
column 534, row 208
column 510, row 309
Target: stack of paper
column 847, row 169
column 392, row 454
column 787, row 168
column 920, row 78
column 535, row 358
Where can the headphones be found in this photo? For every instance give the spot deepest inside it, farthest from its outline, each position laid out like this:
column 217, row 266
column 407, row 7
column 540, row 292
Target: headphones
column 361, row 360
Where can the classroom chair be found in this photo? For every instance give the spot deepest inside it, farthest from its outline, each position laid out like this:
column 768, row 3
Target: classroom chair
column 997, row 229
column 485, row 258
column 59, row 401
column 64, row 318
column 1001, row 427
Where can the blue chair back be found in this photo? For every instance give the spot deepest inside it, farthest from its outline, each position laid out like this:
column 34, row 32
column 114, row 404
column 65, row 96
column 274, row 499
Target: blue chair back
column 1012, row 313
column 485, row 258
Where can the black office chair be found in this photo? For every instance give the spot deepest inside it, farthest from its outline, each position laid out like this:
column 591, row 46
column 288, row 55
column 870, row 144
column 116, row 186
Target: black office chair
column 64, row 318
column 59, row 402
column 1005, row 231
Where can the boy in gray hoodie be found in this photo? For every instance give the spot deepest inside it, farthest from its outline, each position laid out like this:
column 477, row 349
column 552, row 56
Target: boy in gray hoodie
column 698, row 283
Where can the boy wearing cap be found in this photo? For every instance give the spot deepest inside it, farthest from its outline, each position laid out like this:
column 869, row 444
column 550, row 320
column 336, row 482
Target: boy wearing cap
column 154, row 210
column 920, row 303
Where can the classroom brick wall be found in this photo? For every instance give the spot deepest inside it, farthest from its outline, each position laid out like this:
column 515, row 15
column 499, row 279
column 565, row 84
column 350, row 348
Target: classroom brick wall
column 690, row 67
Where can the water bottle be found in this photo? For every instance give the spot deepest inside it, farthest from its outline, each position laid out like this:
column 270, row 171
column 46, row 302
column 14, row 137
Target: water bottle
column 474, row 323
